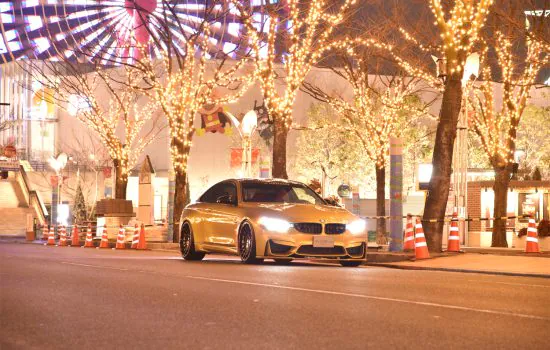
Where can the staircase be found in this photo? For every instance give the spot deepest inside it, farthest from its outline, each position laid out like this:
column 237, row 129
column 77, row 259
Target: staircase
column 18, row 204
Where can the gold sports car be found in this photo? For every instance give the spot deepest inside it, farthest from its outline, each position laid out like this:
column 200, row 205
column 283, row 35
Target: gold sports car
column 259, row 219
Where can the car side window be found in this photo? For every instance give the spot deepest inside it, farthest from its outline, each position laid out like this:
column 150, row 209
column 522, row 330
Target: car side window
column 218, row 190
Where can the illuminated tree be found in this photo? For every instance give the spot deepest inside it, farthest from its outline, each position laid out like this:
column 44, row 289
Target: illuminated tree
column 304, row 30
column 459, row 28
column 497, row 126
column 124, row 122
column 189, row 73
column 381, row 107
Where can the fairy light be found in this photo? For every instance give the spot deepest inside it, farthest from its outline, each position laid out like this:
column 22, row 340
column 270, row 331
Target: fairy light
column 307, row 39
column 185, row 84
column 497, row 128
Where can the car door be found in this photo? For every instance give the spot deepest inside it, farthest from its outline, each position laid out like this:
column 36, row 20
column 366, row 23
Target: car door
column 220, row 219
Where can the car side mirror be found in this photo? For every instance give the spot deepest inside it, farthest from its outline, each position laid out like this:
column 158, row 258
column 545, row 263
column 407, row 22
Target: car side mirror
column 226, row 199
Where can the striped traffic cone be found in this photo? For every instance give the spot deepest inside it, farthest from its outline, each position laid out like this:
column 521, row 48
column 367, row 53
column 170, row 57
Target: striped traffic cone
column 135, row 239
column 453, row 243
column 409, row 235
column 104, row 239
column 120, row 239
column 45, row 232
column 62, row 236
column 51, row 237
column 89, row 239
column 74, row 240
column 420, row 246
column 532, row 240
column 142, row 243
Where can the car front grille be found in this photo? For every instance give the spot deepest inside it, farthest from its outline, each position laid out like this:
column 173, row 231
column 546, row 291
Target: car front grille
column 308, row 227
column 335, row 229
column 311, row 250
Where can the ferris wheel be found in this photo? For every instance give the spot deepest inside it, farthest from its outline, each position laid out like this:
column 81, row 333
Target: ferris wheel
column 97, row 29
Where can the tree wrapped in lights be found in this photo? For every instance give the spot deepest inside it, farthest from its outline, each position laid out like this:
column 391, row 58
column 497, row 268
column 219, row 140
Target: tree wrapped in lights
column 124, row 123
column 380, row 108
column 184, row 79
column 459, row 29
column 496, row 127
column 304, row 30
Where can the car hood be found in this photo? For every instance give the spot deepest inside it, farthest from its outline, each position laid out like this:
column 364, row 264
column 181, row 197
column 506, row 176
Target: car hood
column 302, row 212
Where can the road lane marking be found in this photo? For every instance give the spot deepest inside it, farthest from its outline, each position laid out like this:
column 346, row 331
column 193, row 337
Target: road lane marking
column 363, row 296
column 95, row 266
column 327, row 292
column 513, row 284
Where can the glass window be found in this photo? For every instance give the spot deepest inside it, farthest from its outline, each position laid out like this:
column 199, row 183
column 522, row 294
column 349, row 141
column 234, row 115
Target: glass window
column 218, row 190
column 279, row 193
column 529, row 205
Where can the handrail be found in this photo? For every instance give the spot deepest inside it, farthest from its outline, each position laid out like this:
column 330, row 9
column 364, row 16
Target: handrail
column 34, row 198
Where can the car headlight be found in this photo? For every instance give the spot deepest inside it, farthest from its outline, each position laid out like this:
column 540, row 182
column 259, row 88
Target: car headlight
column 357, row 226
column 275, row 225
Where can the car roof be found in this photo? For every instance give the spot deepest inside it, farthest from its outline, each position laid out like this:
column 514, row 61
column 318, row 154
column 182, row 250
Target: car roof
column 267, row 181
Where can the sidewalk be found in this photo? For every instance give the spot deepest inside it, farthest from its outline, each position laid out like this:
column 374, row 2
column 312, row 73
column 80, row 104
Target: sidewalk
column 533, row 265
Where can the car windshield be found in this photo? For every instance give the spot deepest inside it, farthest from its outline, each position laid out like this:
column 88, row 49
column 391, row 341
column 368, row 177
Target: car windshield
column 279, row 193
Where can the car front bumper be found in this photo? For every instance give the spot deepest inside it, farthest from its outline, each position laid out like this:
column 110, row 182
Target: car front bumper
column 304, row 248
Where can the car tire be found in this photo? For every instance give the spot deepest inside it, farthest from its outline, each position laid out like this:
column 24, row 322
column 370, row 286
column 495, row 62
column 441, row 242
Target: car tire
column 351, row 263
column 283, row 261
column 187, row 244
column 247, row 244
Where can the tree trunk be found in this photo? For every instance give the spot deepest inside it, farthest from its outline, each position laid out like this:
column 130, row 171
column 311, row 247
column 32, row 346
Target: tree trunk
column 180, row 201
column 381, row 204
column 278, row 168
column 121, row 178
column 502, row 182
column 436, row 201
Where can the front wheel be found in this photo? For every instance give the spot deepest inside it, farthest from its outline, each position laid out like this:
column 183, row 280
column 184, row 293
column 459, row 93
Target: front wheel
column 187, row 244
column 351, row 263
column 247, row 245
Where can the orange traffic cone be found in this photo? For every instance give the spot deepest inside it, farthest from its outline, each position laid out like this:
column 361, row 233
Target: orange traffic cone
column 453, row 244
column 142, row 244
column 62, row 236
column 74, row 241
column 409, row 234
column 120, row 238
column 104, row 239
column 45, row 233
column 51, row 237
column 135, row 239
column 532, row 240
column 89, row 239
column 421, row 248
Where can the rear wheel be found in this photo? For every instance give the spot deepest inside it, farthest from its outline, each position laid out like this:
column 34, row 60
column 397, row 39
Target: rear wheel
column 351, row 263
column 247, row 245
column 187, row 244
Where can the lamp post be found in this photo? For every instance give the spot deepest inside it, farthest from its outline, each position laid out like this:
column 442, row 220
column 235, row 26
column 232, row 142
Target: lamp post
column 460, row 158
column 248, row 125
column 57, row 164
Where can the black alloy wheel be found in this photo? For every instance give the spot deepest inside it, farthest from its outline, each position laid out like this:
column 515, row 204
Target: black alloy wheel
column 351, row 263
column 247, row 244
column 187, row 244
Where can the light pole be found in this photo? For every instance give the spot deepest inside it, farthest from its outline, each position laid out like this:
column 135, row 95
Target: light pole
column 460, row 158
column 248, row 125
column 57, row 164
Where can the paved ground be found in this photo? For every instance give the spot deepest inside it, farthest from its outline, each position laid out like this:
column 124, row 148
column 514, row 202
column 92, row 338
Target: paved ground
column 73, row 298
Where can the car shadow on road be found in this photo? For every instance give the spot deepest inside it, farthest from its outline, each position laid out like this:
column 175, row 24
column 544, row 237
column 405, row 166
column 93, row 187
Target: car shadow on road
column 300, row 263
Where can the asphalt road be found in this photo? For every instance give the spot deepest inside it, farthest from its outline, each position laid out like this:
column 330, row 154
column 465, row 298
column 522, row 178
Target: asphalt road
column 73, row 298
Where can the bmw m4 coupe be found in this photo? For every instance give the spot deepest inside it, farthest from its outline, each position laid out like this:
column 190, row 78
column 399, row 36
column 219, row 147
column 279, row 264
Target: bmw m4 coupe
column 259, row 219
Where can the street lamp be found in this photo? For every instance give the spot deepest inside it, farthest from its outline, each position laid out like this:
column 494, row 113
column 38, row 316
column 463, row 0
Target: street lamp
column 57, row 164
column 248, row 125
column 246, row 128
